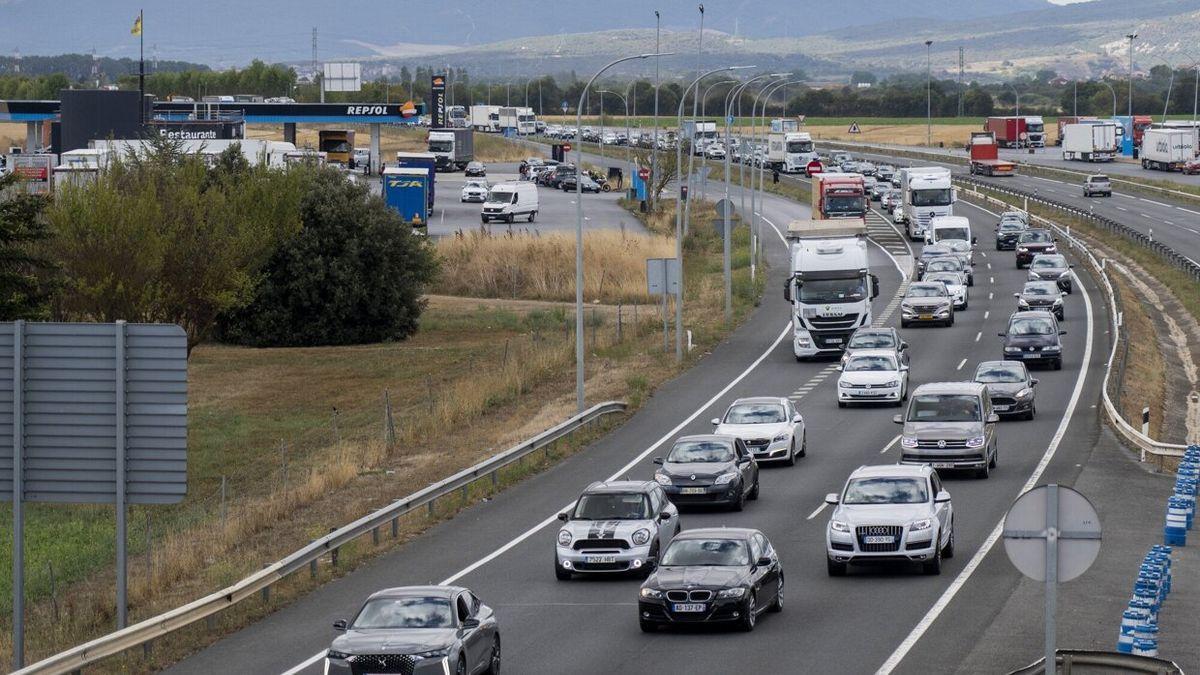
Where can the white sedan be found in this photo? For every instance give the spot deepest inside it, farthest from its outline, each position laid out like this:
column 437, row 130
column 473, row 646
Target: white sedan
column 475, row 191
column 872, row 376
column 956, row 284
column 769, row 426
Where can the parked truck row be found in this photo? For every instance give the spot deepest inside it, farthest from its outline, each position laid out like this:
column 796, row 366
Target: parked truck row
column 499, row 119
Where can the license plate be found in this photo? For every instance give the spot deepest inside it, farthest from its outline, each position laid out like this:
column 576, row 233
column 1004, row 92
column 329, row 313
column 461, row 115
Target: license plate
column 943, row 465
column 834, row 341
column 925, row 316
column 688, row 607
column 692, row 491
column 879, row 539
column 999, row 408
column 600, row 558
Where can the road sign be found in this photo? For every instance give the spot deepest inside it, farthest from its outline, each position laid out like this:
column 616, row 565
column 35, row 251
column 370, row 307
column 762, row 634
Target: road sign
column 566, row 147
column 342, row 77
column 644, row 173
column 724, row 208
column 662, row 275
column 1051, row 534
column 564, row 106
column 729, row 120
column 854, row 128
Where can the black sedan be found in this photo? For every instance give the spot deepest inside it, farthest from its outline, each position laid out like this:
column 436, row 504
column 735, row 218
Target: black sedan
column 423, row 630
column 1010, row 387
column 1033, row 337
column 569, row 183
column 1007, row 233
column 713, row 575
column 709, row 469
column 1051, row 267
column 475, row 170
column 1034, row 242
column 1043, row 295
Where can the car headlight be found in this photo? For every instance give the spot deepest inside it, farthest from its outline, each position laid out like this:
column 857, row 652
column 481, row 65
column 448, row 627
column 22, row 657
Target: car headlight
column 434, row 653
column 844, row 384
column 1022, row 249
column 838, row 526
column 1052, row 249
column 1058, row 301
column 651, row 593
column 1012, row 349
column 781, row 438
column 1022, row 303
column 1024, row 393
column 918, row 525
column 892, row 383
column 335, row 654
column 975, row 442
column 565, row 538
column 726, row 478
column 908, row 441
column 731, row 593
column 662, row 479
column 641, row 537
column 1064, row 275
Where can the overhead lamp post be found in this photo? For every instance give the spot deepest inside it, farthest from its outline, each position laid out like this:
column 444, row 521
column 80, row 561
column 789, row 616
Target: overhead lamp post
column 761, row 169
column 703, row 114
column 625, row 101
column 681, row 212
column 657, row 84
column 742, row 164
column 579, row 372
column 1114, row 95
column 1131, row 37
column 754, row 217
column 928, row 94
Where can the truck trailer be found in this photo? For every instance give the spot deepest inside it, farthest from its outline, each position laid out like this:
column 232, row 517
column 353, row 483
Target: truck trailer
column 407, row 191
column 485, row 118
column 1010, row 131
column 1070, row 119
column 985, row 156
column 1090, row 141
column 338, row 146
column 427, row 162
column 1167, row 149
column 452, row 149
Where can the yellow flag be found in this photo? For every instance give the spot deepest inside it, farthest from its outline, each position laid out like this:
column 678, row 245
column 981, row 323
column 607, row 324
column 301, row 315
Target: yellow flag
column 137, row 26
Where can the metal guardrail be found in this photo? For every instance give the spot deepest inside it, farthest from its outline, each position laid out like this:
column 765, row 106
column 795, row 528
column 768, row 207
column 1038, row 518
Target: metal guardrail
column 956, row 159
column 1131, row 435
column 1068, row 661
column 163, row 624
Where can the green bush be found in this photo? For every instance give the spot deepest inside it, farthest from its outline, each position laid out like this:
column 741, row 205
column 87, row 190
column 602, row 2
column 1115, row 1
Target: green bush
column 354, row 273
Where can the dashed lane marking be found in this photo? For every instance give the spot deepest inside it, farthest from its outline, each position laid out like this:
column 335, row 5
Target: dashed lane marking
column 961, row 364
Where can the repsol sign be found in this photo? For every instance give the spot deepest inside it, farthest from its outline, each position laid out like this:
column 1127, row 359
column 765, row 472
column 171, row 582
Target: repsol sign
column 366, row 110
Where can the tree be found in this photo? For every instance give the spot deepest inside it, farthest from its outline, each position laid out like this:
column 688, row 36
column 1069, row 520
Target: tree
column 160, row 237
column 24, row 271
column 977, row 102
column 353, row 274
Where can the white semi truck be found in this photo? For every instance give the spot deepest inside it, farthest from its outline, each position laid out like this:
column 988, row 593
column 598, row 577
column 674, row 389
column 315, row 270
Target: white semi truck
column 790, row 152
column 485, row 118
column 1167, row 149
column 1035, row 127
column 926, row 193
column 830, row 285
column 1094, row 141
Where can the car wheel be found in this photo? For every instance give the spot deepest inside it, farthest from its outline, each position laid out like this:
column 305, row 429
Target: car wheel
column 804, row 444
column 739, row 503
column 933, row 566
column 777, row 606
column 1058, row 364
column 532, row 215
column 966, row 304
column 647, row 626
column 903, row 323
column 791, row 456
column 461, row 668
column 750, row 618
column 970, row 279
column 512, row 218
column 1029, row 415
column 484, row 219
column 948, row 551
column 754, row 491
column 560, row 573
column 494, row 660
column 648, row 568
column 950, row 321
column 985, row 472
column 995, row 457
column 835, row 568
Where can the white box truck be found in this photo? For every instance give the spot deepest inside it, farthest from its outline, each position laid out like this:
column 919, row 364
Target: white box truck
column 830, row 285
column 485, row 118
column 1090, row 141
column 1167, row 149
column 790, row 152
column 926, row 193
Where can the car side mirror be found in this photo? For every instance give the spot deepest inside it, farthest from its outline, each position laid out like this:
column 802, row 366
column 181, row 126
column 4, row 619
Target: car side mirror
column 1062, row 294
column 874, row 286
column 664, row 516
column 832, row 498
column 1062, row 332
column 942, row 497
column 898, row 419
column 564, row 516
column 903, row 367
column 340, row 625
column 764, row 561
column 839, row 367
column 787, row 289
column 470, row 624
column 1072, row 265
column 797, row 418
column 742, row 459
column 658, row 461
column 1033, row 382
column 716, row 421
column 993, row 418
column 903, row 346
column 1016, row 295
column 974, row 240
column 1001, row 334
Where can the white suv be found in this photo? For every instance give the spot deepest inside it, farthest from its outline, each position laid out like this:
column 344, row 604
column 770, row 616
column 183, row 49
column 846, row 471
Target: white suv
column 890, row 513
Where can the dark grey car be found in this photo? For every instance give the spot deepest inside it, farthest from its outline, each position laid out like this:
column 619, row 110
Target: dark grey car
column 1033, row 337
column 1041, row 295
column 422, row 630
column 1010, row 387
column 1051, row 267
column 950, row 425
column 708, row 469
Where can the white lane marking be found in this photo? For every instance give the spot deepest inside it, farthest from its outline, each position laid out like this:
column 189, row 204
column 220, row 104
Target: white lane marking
column 1122, row 208
column 1165, row 221
column 955, row 586
column 989, row 264
column 1048, row 180
column 620, row 472
column 989, row 298
column 1151, row 201
column 817, row 512
column 1188, row 210
column 991, row 280
column 890, row 444
column 961, row 364
column 980, row 253
column 986, row 312
column 1144, row 215
column 977, row 335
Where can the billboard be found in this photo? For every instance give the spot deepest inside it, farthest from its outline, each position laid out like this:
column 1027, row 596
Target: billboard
column 437, row 102
column 342, row 77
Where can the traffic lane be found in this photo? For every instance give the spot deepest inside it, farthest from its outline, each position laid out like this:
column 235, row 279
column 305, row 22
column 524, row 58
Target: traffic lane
column 297, row 630
column 1053, row 157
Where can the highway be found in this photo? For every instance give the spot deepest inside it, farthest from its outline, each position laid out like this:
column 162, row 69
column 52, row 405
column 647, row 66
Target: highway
column 892, row 618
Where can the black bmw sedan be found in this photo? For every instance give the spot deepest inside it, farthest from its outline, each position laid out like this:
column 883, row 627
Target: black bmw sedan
column 713, row 575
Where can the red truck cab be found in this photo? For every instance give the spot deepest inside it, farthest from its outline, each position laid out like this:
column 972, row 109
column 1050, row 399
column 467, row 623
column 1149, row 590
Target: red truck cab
column 839, row 195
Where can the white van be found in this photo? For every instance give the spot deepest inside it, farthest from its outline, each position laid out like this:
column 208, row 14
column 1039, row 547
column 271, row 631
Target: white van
column 506, row 201
column 948, row 227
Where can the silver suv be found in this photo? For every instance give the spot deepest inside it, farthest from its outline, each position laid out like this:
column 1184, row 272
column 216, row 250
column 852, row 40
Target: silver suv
column 891, row 513
column 950, row 425
column 618, row 526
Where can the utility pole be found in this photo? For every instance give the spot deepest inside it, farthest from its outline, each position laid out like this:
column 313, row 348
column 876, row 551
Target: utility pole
column 928, row 97
column 1131, row 37
column 316, row 67
column 960, row 81
column 657, row 84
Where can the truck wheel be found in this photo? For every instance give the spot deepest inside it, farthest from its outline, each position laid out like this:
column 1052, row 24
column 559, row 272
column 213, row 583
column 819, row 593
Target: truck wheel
column 512, row 218
column 532, row 215
column 484, row 219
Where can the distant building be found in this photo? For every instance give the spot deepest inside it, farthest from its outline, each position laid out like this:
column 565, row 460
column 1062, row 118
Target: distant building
column 863, row 85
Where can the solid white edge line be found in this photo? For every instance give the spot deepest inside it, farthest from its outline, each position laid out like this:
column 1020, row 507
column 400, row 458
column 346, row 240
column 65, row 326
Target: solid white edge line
column 816, row 513
column 890, row 444
column 311, row 660
column 976, row 560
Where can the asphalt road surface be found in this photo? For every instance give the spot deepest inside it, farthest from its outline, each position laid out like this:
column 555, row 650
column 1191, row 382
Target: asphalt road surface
column 890, row 618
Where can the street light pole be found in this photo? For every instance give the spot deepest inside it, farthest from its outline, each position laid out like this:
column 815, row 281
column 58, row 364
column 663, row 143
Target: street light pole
column 1131, row 37
column 687, row 206
column 579, row 371
column 726, row 234
column 625, row 101
column 1114, row 95
column 928, row 95
column 761, row 169
column 679, row 212
column 654, row 152
column 704, row 114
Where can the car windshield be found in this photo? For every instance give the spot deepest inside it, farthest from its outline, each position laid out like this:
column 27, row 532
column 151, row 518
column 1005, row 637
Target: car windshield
column 612, row 506
column 872, row 341
column 886, row 491
column 1048, row 263
column 1040, row 289
column 936, row 251
column 707, row 552
column 999, row 373
column 500, row 196
column 929, row 291
column 441, row 146
column 699, row 452
column 945, row 278
column 934, row 197
column 410, row 612
column 817, row 291
column 962, row 233
column 1098, row 179
column 1036, row 237
column 942, row 265
column 873, row 362
column 755, row 413
column 1030, row 325
column 944, row 408
column 1012, row 226
column 476, row 184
